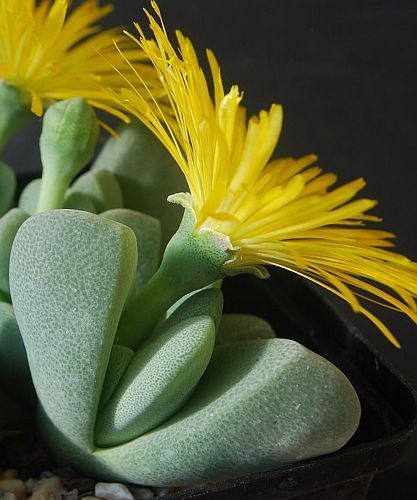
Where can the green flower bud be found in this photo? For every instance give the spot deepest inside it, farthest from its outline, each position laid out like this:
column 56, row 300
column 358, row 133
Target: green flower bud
column 69, row 135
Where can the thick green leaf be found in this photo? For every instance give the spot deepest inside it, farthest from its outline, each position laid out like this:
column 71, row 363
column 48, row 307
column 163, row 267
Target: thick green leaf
column 174, row 307
column 9, row 225
column 7, row 186
column 158, row 381
column 120, row 358
column 208, row 301
column 70, row 273
column 241, row 327
column 148, row 235
column 101, row 188
column 79, row 201
column 29, row 198
column 260, row 404
column 143, row 400
column 147, row 174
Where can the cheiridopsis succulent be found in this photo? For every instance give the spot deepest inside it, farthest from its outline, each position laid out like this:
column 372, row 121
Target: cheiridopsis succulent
column 200, row 396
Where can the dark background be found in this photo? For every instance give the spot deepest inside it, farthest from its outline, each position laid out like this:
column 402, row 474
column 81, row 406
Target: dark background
column 345, row 73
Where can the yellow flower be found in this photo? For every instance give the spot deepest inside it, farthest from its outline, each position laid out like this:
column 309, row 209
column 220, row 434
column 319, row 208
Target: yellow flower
column 278, row 212
column 51, row 54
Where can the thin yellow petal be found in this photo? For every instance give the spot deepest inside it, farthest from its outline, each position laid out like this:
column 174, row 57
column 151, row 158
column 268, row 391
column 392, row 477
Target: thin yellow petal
column 36, row 106
column 281, row 212
column 51, row 53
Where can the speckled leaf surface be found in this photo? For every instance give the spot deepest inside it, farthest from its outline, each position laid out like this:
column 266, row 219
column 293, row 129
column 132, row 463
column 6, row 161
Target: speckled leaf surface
column 70, row 273
column 260, row 404
column 120, row 358
column 146, row 172
column 147, row 230
column 7, row 187
column 101, row 188
column 158, row 381
column 9, row 225
column 170, row 364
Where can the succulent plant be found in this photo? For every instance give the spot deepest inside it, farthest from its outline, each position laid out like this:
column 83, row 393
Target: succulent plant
column 111, row 309
column 198, row 395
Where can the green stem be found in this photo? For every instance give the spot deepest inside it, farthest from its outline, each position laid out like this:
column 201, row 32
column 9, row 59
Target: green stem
column 14, row 113
column 192, row 260
column 52, row 193
column 147, row 308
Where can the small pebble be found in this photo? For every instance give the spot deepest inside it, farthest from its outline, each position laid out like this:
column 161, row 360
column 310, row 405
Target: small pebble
column 6, row 495
column 30, row 485
column 141, row 493
column 113, row 491
column 48, row 489
column 15, row 486
column 70, row 495
column 9, row 474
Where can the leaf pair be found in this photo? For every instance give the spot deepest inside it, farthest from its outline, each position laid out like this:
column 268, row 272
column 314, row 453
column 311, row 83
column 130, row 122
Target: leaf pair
column 259, row 403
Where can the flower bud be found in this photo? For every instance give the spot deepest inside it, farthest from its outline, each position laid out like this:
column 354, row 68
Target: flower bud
column 67, row 142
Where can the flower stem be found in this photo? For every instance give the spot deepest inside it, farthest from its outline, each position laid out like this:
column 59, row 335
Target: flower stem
column 14, row 113
column 146, row 309
column 192, row 260
column 53, row 189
